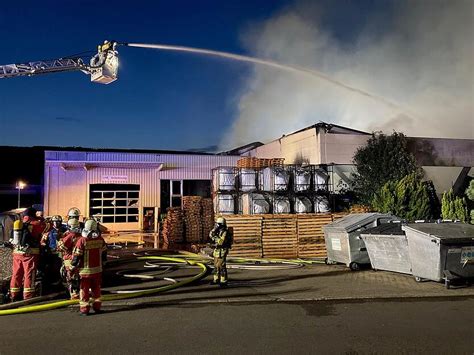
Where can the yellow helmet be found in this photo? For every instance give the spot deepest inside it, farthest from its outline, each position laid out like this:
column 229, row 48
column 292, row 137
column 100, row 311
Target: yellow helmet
column 221, row 220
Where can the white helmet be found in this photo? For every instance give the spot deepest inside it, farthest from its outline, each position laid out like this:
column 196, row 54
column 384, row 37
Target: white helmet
column 90, row 229
column 74, row 225
column 73, row 212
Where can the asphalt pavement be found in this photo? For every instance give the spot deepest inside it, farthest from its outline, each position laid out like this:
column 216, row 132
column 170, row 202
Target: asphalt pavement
column 312, row 309
column 320, row 327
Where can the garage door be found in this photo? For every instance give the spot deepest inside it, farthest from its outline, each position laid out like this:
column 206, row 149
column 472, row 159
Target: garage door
column 116, row 205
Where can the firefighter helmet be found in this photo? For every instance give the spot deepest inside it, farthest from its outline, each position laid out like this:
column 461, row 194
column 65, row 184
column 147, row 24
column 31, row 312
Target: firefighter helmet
column 73, row 212
column 30, row 212
column 90, row 229
column 221, row 221
column 57, row 218
column 73, row 225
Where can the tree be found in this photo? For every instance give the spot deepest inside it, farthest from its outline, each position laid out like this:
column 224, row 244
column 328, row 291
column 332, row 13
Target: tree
column 383, row 159
column 453, row 207
column 470, row 196
column 406, row 198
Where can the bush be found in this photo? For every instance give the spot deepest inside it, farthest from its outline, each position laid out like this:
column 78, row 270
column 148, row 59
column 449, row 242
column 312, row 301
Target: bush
column 406, row 198
column 453, row 207
column 383, row 159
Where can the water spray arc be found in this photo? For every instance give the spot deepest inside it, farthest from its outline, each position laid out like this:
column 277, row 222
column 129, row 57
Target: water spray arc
column 273, row 64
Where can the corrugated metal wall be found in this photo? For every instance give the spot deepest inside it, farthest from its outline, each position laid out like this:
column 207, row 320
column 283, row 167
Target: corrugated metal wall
column 69, row 186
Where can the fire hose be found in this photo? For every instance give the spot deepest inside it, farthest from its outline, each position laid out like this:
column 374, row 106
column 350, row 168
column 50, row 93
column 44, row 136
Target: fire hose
column 115, row 297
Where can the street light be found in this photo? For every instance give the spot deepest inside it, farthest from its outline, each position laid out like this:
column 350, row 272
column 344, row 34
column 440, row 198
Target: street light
column 20, row 185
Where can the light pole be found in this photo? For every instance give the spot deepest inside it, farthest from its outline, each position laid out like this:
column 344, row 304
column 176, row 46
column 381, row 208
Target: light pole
column 20, row 185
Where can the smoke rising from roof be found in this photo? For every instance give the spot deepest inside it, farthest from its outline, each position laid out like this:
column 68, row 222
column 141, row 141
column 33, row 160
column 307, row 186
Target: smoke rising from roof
column 421, row 58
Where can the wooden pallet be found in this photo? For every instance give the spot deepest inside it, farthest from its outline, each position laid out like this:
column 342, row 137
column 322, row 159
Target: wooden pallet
column 247, row 232
column 259, row 163
column 311, row 236
column 279, row 236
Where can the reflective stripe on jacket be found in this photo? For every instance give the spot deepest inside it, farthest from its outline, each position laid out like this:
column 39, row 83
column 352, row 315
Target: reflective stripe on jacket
column 90, row 251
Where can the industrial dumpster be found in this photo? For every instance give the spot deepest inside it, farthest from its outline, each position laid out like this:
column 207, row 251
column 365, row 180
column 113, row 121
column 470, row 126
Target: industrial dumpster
column 387, row 246
column 342, row 238
column 441, row 251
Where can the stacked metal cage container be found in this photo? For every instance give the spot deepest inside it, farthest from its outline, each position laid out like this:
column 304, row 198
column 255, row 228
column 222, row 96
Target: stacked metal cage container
column 224, row 190
column 275, row 189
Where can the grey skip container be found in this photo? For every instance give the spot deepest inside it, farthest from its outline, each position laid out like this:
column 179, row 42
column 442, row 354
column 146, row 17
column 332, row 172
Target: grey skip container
column 441, row 251
column 342, row 238
column 387, row 246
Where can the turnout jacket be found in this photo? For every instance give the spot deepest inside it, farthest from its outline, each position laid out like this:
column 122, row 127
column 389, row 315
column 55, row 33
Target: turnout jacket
column 89, row 253
column 66, row 246
column 220, row 240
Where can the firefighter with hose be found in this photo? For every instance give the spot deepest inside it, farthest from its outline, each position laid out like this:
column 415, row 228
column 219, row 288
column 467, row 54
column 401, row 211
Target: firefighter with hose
column 221, row 238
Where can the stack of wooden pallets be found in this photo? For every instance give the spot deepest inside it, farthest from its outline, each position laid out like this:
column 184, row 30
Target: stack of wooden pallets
column 360, row 209
column 192, row 218
column 247, row 232
column 207, row 210
column 173, row 226
column 311, row 236
column 258, row 163
column 279, row 236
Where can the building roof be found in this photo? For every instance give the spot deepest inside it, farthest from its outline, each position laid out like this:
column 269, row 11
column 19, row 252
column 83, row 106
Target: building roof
column 111, row 150
column 242, row 149
column 330, row 128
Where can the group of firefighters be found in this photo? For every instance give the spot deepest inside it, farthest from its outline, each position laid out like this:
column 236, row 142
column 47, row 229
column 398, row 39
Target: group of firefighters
column 72, row 253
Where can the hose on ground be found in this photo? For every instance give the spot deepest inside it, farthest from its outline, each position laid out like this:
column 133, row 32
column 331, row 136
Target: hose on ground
column 115, row 297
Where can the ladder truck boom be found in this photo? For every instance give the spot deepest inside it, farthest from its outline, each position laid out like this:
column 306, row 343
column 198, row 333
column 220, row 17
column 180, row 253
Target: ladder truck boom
column 41, row 67
column 102, row 67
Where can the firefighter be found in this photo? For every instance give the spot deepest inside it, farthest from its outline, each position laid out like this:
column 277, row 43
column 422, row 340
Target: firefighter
column 51, row 260
column 74, row 213
column 88, row 254
column 221, row 238
column 65, row 247
column 26, row 255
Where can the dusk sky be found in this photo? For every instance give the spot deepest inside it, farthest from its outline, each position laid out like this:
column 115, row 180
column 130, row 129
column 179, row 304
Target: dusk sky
column 167, row 100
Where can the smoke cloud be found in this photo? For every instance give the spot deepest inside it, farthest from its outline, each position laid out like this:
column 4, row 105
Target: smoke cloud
column 421, row 59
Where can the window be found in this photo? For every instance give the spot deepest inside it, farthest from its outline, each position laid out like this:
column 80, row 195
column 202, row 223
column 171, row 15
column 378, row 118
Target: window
column 115, row 203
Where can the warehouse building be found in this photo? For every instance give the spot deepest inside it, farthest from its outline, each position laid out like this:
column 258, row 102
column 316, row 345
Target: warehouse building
column 125, row 187
column 446, row 162
column 122, row 187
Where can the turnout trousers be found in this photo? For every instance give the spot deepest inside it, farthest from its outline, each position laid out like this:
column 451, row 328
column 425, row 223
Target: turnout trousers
column 220, row 265
column 90, row 293
column 24, row 273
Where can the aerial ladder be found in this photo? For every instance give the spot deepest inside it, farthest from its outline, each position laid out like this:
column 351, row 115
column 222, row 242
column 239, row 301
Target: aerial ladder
column 102, row 67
